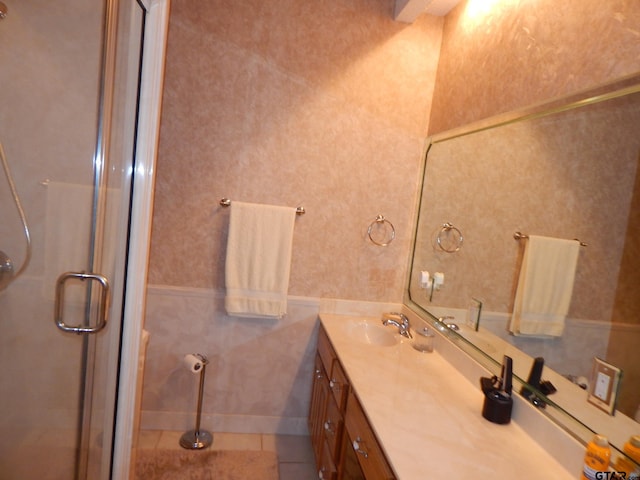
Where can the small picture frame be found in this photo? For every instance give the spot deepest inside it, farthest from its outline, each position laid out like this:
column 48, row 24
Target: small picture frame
column 604, row 386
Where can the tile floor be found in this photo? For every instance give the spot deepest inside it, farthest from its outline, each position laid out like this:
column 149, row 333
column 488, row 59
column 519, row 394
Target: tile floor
column 295, row 456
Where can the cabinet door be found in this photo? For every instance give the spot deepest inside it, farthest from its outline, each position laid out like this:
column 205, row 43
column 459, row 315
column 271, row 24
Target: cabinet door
column 364, row 443
column 319, row 396
column 327, row 469
column 349, row 467
column 333, row 426
column 325, row 350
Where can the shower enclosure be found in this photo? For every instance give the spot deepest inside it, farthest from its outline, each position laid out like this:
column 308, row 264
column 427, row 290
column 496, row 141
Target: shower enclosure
column 70, row 96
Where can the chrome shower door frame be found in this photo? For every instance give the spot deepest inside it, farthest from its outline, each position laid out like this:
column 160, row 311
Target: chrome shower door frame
column 114, row 157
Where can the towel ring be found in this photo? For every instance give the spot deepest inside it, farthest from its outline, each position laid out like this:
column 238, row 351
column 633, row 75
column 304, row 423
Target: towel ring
column 457, row 244
column 380, row 220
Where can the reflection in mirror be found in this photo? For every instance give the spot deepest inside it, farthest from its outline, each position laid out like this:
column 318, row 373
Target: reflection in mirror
column 570, row 173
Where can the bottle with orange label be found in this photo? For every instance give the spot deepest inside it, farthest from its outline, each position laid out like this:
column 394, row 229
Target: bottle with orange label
column 632, row 450
column 596, row 459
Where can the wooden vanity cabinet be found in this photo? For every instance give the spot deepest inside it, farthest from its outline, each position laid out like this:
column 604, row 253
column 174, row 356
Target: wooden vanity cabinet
column 319, row 396
column 333, row 428
column 345, row 448
column 363, row 441
column 339, row 385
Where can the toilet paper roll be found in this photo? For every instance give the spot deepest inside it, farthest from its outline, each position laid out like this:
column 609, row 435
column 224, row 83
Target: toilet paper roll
column 193, row 362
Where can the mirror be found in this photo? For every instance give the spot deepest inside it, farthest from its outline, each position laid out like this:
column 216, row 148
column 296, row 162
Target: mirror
column 567, row 169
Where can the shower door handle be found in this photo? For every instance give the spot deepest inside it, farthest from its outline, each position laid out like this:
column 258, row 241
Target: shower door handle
column 103, row 306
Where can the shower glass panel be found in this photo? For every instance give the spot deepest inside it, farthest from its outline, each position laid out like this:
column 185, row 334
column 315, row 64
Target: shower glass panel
column 68, row 104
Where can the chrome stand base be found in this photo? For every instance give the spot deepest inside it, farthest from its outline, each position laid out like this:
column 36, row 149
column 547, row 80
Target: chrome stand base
column 195, row 440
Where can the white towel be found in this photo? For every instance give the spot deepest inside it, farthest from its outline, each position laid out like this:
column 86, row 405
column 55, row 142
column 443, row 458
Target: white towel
column 545, row 286
column 258, row 260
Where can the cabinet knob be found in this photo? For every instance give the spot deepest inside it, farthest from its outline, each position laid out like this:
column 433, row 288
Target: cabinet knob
column 318, row 373
column 334, row 385
column 358, row 447
column 320, row 474
column 327, row 427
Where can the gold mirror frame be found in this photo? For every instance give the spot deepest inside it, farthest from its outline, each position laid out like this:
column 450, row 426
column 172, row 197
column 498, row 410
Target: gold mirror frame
column 564, row 417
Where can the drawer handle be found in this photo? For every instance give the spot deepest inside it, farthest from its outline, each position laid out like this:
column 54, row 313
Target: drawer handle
column 357, row 444
column 327, row 427
column 334, row 384
column 320, row 473
column 319, row 373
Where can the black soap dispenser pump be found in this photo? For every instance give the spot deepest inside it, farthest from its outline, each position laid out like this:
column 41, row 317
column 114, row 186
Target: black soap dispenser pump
column 497, row 394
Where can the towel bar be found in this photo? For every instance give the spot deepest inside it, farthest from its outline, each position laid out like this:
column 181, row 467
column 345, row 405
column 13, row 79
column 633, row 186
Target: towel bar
column 520, row 236
column 225, row 202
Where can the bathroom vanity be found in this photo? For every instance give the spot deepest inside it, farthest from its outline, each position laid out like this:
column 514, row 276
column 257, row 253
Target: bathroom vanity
column 343, row 441
column 380, row 409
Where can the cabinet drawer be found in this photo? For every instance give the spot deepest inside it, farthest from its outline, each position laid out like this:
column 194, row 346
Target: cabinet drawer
column 325, row 350
column 339, row 385
column 370, row 456
column 333, row 426
column 327, row 469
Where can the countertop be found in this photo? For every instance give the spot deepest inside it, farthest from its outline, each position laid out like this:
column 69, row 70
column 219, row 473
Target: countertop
column 427, row 415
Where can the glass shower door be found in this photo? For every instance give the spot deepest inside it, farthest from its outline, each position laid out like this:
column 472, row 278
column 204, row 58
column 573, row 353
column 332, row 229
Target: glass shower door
column 68, row 97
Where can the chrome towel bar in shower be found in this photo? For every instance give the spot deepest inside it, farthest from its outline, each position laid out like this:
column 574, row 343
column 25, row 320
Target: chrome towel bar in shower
column 225, row 202
column 521, row 236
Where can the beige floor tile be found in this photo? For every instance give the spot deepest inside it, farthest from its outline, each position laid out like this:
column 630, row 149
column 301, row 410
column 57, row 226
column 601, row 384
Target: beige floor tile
column 236, row 441
column 290, row 448
column 149, row 438
column 170, row 440
column 297, row 471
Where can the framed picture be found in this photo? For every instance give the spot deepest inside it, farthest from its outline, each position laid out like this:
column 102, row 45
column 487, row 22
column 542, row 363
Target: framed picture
column 605, row 382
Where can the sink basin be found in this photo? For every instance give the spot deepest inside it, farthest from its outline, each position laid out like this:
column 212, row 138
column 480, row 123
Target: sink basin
column 371, row 333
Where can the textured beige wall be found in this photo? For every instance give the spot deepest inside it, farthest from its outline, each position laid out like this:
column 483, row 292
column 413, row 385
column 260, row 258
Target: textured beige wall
column 326, row 106
column 291, row 102
column 500, row 56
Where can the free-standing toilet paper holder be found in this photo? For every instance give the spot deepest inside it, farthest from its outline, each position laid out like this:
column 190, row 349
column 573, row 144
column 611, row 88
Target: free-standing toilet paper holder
column 197, row 439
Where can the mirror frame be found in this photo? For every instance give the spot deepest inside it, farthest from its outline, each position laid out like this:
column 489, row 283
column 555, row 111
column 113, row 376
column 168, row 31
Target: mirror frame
column 619, row 88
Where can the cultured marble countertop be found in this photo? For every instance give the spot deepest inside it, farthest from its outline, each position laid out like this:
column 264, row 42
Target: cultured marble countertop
column 427, row 415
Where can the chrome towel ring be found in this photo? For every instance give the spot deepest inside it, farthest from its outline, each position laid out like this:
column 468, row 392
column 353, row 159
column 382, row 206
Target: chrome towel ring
column 452, row 245
column 379, row 222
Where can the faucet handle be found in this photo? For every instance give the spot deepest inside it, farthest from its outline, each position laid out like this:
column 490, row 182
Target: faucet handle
column 396, row 316
column 399, row 320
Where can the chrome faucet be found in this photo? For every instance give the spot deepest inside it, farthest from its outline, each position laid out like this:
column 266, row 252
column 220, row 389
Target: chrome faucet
column 447, row 323
column 399, row 320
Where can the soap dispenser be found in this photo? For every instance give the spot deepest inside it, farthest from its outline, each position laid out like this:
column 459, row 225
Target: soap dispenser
column 497, row 394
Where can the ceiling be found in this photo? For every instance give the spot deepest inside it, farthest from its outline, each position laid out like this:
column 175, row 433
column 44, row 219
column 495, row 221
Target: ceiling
column 408, row 10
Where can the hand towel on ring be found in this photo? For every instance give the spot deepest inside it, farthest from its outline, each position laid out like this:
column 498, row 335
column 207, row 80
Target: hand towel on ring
column 258, row 260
